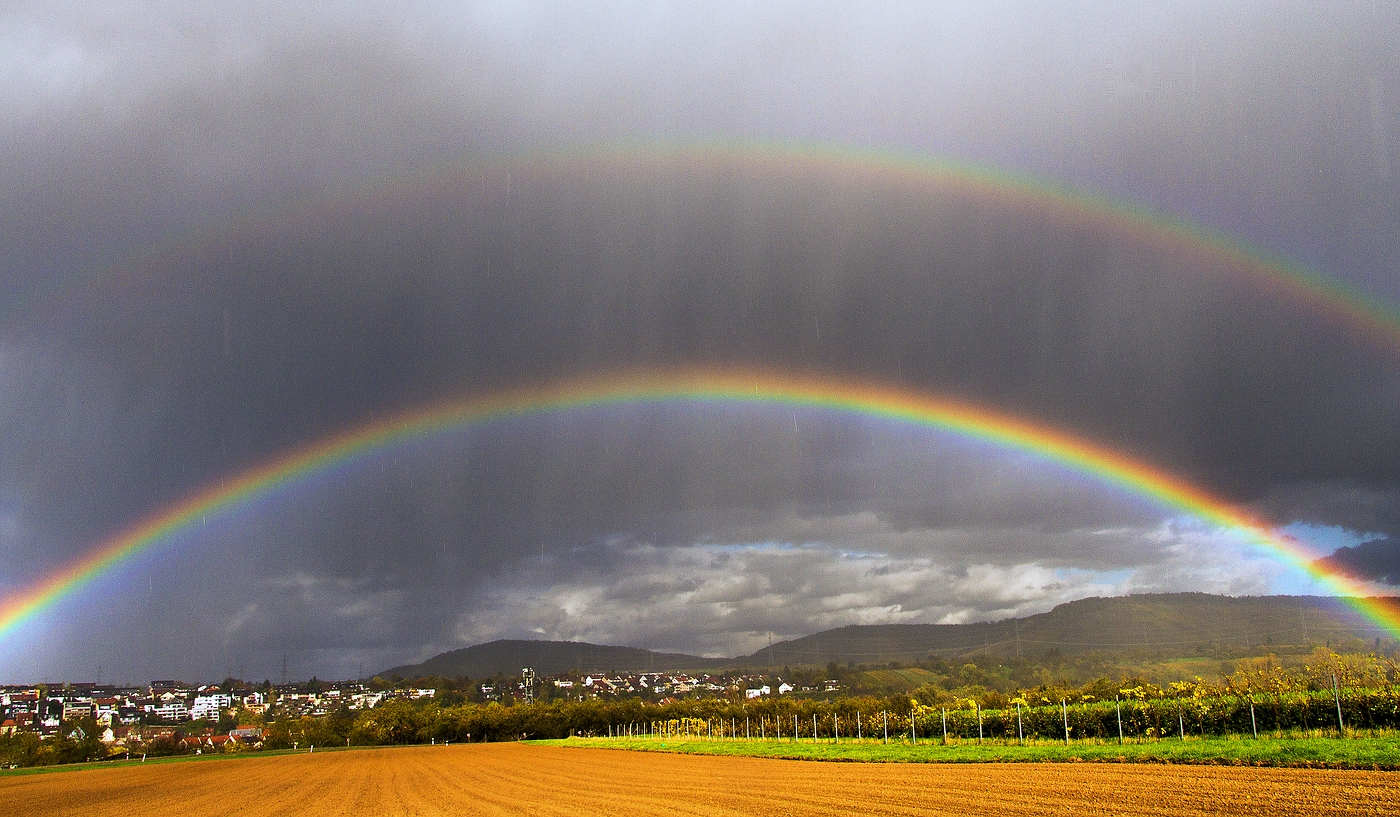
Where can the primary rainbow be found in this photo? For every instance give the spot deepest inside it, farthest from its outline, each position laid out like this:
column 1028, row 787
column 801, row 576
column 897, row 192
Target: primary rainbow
column 725, row 385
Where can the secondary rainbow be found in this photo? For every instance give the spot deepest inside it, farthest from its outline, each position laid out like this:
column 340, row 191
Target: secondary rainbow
column 1370, row 317
column 639, row 387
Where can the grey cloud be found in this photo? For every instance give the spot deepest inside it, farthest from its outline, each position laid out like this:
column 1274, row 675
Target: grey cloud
column 728, row 600
column 1377, row 560
column 226, row 230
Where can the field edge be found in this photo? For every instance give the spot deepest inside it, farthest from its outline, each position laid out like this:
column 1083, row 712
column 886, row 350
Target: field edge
column 1369, row 754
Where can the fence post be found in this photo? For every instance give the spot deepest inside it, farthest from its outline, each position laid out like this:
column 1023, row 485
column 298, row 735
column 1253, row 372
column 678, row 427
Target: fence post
column 1181, row 722
column 1064, row 710
column 1337, row 694
column 1020, row 733
column 887, row 725
column 945, row 726
column 814, row 727
column 835, row 729
column 979, row 721
column 1253, row 726
column 794, row 728
column 859, row 734
column 1118, row 705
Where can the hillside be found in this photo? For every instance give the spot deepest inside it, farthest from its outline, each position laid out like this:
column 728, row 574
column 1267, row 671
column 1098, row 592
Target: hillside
column 547, row 657
column 1163, row 625
column 1176, row 624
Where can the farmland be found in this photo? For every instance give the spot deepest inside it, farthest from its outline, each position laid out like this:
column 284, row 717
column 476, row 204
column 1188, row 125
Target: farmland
column 542, row 780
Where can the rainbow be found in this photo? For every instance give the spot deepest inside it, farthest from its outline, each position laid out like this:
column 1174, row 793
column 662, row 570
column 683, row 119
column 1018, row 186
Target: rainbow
column 1364, row 314
column 1368, row 317
column 679, row 386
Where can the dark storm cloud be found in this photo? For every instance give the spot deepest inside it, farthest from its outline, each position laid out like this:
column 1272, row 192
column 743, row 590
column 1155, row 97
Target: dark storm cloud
column 1377, row 559
column 280, row 334
column 227, row 231
column 1272, row 121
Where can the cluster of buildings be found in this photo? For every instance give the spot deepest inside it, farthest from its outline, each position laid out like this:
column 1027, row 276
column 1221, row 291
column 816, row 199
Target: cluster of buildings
column 169, row 709
column 207, row 717
column 665, row 687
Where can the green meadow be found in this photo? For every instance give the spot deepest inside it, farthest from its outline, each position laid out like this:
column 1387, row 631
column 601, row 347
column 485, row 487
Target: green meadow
column 1370, row 752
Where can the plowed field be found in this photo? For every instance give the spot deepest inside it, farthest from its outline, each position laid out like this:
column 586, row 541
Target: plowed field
column 539, row 780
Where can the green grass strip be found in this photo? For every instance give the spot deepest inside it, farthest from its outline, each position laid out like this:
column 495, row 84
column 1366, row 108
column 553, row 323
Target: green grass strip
column 1329, row 753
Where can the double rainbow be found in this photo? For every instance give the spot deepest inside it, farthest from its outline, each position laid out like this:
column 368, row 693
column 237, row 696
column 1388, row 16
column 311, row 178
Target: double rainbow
column 680, row 386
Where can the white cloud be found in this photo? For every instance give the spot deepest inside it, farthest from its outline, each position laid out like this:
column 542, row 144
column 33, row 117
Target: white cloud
column 727, row 599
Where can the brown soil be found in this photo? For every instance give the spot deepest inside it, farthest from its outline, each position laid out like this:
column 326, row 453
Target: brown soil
column 518, row 779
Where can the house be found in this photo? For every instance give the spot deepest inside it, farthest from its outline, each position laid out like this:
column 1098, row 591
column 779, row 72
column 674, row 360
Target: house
column 173, row 711
column 210, row 706
column 784, row 688
column 24, row 721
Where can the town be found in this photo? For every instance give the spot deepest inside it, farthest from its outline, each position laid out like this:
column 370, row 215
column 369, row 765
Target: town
column 171, row 717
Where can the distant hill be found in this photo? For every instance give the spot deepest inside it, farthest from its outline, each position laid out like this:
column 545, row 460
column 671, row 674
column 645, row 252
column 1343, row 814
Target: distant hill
column 548, row 658
column 1174, row 624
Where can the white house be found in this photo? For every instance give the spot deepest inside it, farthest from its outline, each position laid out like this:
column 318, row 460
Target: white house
column 174, row 711
column 210, row 706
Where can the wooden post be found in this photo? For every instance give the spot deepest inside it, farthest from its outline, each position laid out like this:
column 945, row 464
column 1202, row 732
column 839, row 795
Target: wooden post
column 1020, row 734
column 835, row 729
column 1181, row 723
column 1253, row 726
column 945, row 726
column 1118, row 705
column 814, row 727
column 979, row 721
column 859, row 734
column 1064, row 710
column 887, row 725
column 1337, row 694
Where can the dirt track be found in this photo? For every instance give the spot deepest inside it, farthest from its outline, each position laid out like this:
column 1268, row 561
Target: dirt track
column 517, row 780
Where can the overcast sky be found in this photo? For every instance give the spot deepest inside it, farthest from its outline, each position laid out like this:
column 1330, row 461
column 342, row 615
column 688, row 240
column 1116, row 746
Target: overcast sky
column 229, row 230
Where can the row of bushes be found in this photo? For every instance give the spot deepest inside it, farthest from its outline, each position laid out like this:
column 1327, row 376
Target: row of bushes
column 398, row 722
